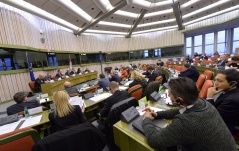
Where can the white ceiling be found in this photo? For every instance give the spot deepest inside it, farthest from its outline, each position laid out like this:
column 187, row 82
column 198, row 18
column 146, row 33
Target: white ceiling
column 94, row 11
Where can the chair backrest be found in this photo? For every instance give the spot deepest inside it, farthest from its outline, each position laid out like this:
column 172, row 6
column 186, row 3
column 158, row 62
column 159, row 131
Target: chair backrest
column 209, row 74
column 32, row 85
column 19, row 140
column 201, row 79
column 159, row 78
column 118, row 108
column 136, row 91
column 203, row 92
column 178, row 68
column 54, row 77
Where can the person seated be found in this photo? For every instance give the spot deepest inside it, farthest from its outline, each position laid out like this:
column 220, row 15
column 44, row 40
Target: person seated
column 204, row 56
column 134, row 66
column 103, row 82
column 117, row 96
column 59, row 74
column 151, row 74
column 40, row 80
column 160, row 63
column 195, row 54
column 116, row 68
column 87, row 70
column 48, row 77
column 124, row 74
column 189, row 71
column 73, row 71
column 79, row 71
column 138, row 79
column 114, row 76
column 188, row 60
column 227, row 102
column 22, row 100
column 69, row 89
column 65, row 115
column 235, row 62
column 196, row 124
column 68, row 73
column 222, row 61
column 151, row 87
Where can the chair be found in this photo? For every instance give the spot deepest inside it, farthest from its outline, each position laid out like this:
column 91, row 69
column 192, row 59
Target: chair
column 136, row 91
column 159, row 78
column 203, row 92
column 178, row 68
column 209, row 74
column 19, row 140
column 201, row 79
column 152, row 86
column 32, row 86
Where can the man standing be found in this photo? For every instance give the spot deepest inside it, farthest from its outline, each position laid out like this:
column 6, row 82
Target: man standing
column 196, row 124
column 227, row 101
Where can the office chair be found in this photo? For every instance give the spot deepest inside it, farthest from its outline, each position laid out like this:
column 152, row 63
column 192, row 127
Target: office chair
column 203, row 92
column 32, row 86
column 209, row 74
column 201, row 79
column 19, row 140
column 136, row 91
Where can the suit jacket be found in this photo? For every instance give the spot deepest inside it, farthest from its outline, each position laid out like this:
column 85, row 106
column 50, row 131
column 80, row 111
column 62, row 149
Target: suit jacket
column 222, row 63
column 71, row 90
column 110, row 101
column 153, row 76
column 103, row 83
column 191, row 73
column 68, row 74
column 72, row 72
column 204, row 58
column 20, row 106
column 228, row 107
column 38, row 83
column 115, row 78
column 48, row 78
column 58, row 75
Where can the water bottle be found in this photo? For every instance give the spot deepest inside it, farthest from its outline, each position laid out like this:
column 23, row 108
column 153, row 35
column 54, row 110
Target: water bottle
column 141, row 104
column 96, row 91
column 40, row 96
column 26, row 113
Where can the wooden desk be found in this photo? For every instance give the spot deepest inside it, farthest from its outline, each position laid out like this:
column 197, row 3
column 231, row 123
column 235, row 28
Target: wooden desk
column 50, row 88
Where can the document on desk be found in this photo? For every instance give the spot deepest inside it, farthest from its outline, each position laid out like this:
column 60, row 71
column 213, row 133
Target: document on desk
column 100, row 97
column 44, row 100
column 9, row 127
column 76, row 100
column 127, row 83
column 123, row 88
column 32, row 120
column 152, row 108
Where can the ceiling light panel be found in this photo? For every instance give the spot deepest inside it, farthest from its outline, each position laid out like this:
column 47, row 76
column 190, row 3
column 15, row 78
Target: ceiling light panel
column 158, row 29
column 110, row 24
column 124, row 14
column 157, row 22
column 162, row 12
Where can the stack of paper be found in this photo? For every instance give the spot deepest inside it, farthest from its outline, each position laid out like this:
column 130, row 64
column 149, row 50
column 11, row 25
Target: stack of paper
column 32, row 120
column 76, row 100
column 100, row 97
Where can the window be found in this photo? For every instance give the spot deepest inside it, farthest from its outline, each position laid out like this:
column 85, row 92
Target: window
column 157, row 53
column 221, row 42
column 235, row 39
column 146, row 53
column 198, row 44
column 189, row 46
column 209, row 44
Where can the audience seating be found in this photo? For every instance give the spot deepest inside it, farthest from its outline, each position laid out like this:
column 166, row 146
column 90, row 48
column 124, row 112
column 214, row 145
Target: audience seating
column 170, row 66
column 152, row 86
column 159, row 78
column 178, row 68
column 32, row 86
column 136, row 91
column 19, row 140
column 54, row 77
column 203, row 92
column 207, row 62
column 201, row 79
column 209, row 74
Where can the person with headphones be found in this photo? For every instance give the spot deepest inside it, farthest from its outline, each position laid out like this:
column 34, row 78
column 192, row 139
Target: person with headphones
column 196, row 124
column 227, row 102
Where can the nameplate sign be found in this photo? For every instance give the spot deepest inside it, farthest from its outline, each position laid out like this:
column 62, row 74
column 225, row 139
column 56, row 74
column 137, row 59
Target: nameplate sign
column 100, row 90
column 44, row 95
column 35, row 110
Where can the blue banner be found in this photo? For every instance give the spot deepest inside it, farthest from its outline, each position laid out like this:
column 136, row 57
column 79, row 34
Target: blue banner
column 30, row 68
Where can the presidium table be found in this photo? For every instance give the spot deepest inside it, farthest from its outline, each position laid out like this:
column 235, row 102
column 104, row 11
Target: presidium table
column 50, row 88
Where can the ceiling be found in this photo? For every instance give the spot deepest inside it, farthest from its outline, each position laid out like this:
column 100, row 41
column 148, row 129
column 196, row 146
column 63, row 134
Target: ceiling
column 127, row 17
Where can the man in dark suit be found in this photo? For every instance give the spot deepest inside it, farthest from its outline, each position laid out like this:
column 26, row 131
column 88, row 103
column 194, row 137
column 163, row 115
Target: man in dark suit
column 22, row 100
column 40, row 80
column 227, row 103
column 73, row 71
column 222, row 61
column 114, row 77
column 68, row 73
column 103, row 82
column 59, row 74
column 69, row 89
column 190, row 72
column 117, row 96
column 48, row 77
column 151, row 74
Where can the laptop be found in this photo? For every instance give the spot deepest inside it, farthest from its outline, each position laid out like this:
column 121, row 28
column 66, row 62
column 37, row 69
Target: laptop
column 8, row 119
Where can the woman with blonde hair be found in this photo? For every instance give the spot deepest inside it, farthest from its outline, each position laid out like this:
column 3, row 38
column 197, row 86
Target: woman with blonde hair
column 65, row 115
column 138, row 79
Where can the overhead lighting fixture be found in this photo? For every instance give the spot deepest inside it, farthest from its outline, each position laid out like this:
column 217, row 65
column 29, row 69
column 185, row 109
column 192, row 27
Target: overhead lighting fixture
column 126, row 14
column 156, row 23
column 104, row 32
column 104, row 5
column 212, row 15
column 189, row 3
column 205, row 8
column 148, row 5
column 114, row 24
column 157, row 29
column 158, row 13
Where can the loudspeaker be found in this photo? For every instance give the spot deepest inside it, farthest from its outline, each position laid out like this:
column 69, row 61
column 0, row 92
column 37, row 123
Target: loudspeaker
column 155, row 96
column 129, row 115
column 88, row 95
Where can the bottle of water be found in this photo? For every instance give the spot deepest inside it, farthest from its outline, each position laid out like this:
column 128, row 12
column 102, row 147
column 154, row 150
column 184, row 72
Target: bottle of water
column 26, row 113
column 142, row 104
column 40, row 96
column 96, row 91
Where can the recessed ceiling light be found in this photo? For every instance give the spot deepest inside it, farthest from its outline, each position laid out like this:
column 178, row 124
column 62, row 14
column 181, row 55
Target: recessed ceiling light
column 192, row 7
column 96, row 26
column 133, row 7
column 77, row 20
column 126, row 19
column 92, row 8
column 147, row 19
column 112, row 17
column 164, row 16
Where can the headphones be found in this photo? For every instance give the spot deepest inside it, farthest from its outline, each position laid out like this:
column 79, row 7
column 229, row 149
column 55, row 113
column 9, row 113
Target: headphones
column 200, row 110
column 179, row 102
column 232, row 84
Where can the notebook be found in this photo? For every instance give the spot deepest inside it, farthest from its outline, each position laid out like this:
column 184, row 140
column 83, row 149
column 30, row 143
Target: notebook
column 9, row 119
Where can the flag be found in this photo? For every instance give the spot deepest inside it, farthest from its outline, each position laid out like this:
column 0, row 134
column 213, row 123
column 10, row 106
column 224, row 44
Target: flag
column 70, row 63
column 30, row 68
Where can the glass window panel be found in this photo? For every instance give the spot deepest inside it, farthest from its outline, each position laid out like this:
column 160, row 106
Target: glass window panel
column 198, row 40
column 188, row 51
column 209, row 38
column 209, row 50
column 198, row 49
column 221, row 36
column 146, row 53
column 221, row 48
column 236, row 34
column 189, row 42
column 235, row 45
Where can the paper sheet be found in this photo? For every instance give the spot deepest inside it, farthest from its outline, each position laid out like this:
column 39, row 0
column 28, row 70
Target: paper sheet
column 100, row 97
column 9, row 127
column 123, row 88
column 32, row 120
column 168, row 101
column 76, row 100
column 152, row 108
column 127, row 83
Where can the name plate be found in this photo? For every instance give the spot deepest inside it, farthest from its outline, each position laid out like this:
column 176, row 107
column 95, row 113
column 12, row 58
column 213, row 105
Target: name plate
column 35, row 110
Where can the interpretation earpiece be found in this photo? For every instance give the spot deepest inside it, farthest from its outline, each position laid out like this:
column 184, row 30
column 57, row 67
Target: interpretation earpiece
column 178, row 102
column 232, row 84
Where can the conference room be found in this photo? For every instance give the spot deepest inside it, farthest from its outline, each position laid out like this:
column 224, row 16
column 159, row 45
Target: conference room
column 160, row 40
